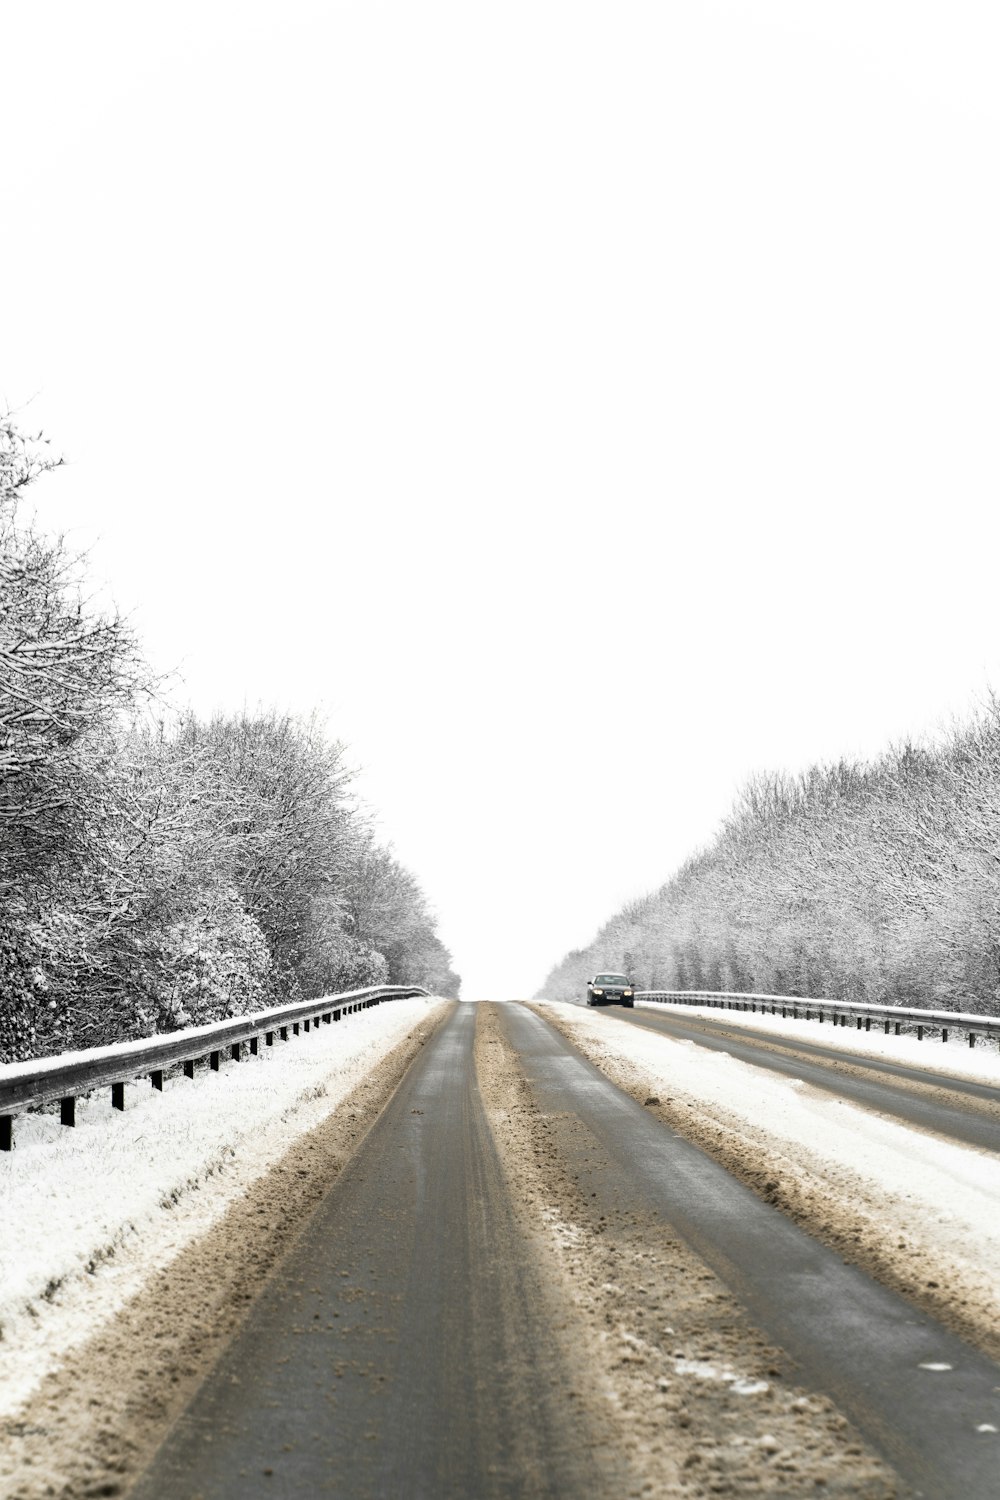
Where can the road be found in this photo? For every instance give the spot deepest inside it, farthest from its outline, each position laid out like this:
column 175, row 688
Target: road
column 957, row 1109
column 525, row 1284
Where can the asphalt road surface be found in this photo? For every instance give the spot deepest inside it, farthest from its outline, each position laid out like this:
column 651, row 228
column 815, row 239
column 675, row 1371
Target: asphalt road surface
column 415, row 1342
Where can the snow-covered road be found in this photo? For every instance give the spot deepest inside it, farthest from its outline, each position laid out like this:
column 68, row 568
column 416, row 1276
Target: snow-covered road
column 461, row 1178
column 920, row 1212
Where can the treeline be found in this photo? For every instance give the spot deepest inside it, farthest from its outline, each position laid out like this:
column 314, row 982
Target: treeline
column 157, row 873
column 875, row 881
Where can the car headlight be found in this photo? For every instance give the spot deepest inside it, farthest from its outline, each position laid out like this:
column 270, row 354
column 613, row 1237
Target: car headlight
column 598, row 992
column 626, row 992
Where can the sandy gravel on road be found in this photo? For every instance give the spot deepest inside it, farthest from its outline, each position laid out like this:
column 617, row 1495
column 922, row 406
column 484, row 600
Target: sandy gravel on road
column 94, row 1423
column 696, row 1392
column 909, row 1239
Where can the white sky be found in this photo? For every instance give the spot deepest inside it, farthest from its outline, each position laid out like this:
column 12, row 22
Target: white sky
column 584, row 404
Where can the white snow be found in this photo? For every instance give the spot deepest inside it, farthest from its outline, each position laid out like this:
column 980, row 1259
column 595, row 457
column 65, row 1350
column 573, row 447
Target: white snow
column 88, row 1214
column 703, row 1369
column 955, row 1057
column 935, row 1196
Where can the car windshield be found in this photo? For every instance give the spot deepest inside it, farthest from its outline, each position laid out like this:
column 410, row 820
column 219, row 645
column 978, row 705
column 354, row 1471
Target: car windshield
column 611, row 979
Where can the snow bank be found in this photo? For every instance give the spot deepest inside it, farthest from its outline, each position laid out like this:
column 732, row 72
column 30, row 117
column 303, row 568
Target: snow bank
column 86, row 1215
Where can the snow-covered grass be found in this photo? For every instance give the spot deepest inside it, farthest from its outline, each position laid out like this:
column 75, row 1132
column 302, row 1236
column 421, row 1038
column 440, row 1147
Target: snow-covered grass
column 86, row 1215
column 955, row 1057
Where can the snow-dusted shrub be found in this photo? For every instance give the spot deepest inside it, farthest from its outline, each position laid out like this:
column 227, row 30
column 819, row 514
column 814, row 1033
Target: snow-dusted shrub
column 211, row 962
column 335, row 960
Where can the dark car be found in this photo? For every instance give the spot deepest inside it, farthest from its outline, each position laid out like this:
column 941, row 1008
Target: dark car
column 610, row 989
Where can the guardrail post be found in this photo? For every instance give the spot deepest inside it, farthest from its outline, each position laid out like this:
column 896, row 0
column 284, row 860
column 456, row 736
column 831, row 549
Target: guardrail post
column 887, row 1025
column 67, row 1111
column 189, row 1067
column 920, row 1033
column 972, row 1043
column 253, row 1046
column 944, row 1033
column 235, row 1051
column 336, row 1015
column 284, row 1033
column 213, row 1061
column 156, row 1079
column 295, row 1028
column 897, row 1028
column 118, row 1096
column 868, row 1022
column 6, row 1132
column 327, row 1019
column 269, row 1039
column 305, row 1024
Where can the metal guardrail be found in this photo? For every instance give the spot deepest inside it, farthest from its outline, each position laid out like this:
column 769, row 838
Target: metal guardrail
column 840, row 1012
column 63, row 1077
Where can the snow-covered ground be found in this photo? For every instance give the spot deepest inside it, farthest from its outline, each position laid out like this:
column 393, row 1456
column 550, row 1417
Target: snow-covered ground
column 928, row 1206
column 87, row 1215
column 955, row 1057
